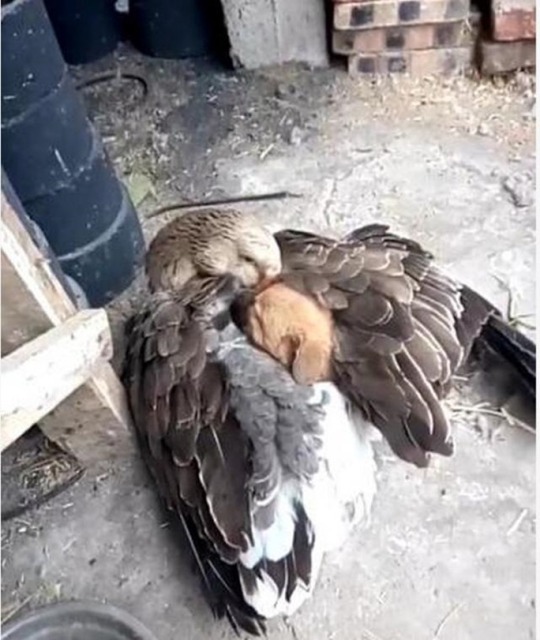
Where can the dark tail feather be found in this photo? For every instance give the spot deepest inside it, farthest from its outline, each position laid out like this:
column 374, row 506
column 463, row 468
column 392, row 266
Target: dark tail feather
column 220, row 581
column 518, row 350
column 508, row 362
column 221, row 584
column 226, row 599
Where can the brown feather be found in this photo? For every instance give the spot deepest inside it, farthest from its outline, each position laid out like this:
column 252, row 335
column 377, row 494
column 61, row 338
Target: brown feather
column 179, row 401
column 399, row 289
column 444, row 336
column 222, row 459
column 425, row 352
column 370, row 310
column 432, row 434
column 333, row 299
column 395, row 343
column 377, row 260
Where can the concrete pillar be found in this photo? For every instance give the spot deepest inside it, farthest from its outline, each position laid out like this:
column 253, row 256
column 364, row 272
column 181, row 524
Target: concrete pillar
column 269, row 32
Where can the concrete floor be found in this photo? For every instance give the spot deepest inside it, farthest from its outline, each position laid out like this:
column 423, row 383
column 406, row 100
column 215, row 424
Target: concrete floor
column 450, row 552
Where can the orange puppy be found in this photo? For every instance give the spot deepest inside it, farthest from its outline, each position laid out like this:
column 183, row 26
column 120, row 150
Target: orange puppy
column 295, row 330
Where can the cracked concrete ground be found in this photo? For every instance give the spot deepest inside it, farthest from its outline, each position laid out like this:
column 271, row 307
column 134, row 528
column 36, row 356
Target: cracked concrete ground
column 450, row 552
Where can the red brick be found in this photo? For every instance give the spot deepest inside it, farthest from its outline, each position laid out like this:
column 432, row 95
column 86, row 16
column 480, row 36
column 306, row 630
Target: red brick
column 501, row 57
column 387, row 13
column 513, row 19
column 516, row 24
column 422, row 36
column 425, row 62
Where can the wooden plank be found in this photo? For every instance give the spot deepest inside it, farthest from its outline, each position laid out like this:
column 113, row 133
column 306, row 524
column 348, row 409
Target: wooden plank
column 34, row 300
column 33, row 267
column 40, row 374
column 14, row 308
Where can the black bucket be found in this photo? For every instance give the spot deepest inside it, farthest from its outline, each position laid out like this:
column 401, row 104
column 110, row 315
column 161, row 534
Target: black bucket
column 86, row 30
column 80, row 620
column 56, row 163
column 32, row 64
column 48, row 144
column 107, row 265
column 82, row 209
column 178, row 28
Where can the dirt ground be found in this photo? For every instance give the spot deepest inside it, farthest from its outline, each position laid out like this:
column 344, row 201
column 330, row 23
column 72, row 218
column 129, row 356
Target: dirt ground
column 450, row 551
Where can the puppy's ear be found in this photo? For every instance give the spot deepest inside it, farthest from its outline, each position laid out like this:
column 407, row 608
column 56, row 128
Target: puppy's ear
column 310, row 363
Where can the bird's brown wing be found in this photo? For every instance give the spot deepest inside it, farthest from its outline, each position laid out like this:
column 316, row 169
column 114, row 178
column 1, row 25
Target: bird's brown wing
column 401, row 329
column 191, row 442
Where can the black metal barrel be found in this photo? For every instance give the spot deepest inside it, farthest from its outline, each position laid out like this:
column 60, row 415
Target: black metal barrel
column 86, row 29
column 178, row 28
column 56, row 163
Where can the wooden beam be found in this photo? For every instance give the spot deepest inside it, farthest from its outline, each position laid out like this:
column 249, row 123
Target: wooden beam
column 33, row 267
column 42, row 373
column 34, row 299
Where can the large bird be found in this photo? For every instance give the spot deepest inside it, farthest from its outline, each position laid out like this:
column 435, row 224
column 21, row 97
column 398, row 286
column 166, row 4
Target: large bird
column 257, row 371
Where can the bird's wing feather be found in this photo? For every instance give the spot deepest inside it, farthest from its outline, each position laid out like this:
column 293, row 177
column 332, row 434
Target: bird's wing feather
column 191, row 443
column 401, row 329
column 227, row 435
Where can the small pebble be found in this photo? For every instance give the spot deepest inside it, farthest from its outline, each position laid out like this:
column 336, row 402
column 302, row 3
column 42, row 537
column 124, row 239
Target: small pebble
column 295, row 137
column 482, row 426
column 520, row 189
column 483, row 129
column 531, row 113
column 284, row 91
column 525, row 82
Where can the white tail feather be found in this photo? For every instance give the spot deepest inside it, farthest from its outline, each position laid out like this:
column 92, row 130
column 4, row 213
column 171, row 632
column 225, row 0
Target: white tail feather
column 337, row 498
column 341, row 494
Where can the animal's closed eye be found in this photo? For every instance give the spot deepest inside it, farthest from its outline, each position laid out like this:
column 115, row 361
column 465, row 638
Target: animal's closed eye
column 249, row 260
